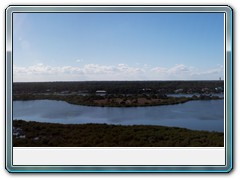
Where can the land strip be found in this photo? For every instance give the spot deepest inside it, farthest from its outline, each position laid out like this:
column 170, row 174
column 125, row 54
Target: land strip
column 115, row 100
column 36, row 134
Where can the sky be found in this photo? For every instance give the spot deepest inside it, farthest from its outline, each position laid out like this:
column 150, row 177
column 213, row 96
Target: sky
column 117, row 46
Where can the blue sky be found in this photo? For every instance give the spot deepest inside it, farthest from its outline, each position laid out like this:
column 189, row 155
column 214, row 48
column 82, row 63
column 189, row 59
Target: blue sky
column 118, row 46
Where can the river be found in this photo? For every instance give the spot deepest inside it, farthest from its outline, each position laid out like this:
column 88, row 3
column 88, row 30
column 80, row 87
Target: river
column 197, row 115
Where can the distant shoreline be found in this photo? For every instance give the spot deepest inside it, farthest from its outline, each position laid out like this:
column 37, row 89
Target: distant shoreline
column 115, row 101
column 118, row 93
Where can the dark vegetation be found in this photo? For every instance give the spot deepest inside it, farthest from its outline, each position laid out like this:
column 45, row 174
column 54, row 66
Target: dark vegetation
column 114, row 100
column 35, row 134
column 117, row 87
column 116, row 93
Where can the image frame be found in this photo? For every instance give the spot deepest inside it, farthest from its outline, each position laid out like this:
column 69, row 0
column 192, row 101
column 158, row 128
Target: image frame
column 122, row 168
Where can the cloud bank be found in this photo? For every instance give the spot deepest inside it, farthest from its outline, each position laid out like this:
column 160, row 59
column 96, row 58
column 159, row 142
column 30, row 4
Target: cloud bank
column 41, row 72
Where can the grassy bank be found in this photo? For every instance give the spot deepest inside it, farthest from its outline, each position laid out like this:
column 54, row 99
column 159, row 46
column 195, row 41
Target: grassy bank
column 35, row 134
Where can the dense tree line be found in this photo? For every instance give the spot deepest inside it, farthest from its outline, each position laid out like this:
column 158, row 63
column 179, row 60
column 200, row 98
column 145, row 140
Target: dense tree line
column 116, row 87
column 115, row 100
column 35, row 134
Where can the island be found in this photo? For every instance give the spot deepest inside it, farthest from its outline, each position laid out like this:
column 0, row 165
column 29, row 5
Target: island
column 116, row 100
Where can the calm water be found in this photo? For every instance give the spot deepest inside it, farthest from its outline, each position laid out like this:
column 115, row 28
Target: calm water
column 199, row 115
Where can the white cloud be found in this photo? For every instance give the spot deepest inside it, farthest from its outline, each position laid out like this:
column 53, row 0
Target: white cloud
column 124, row 68
column 97, row 69
column 183, row 72
column 159, row 70
column 43, row 69
column 179, row 68
column 175, row 70
column 41, row 72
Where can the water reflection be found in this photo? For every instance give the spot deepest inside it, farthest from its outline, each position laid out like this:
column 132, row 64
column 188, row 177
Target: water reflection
column 199, row 115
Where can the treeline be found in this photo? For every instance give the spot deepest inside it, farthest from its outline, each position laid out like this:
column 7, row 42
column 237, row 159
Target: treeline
column 35, row 134
column 116, row 87
column 114, row 100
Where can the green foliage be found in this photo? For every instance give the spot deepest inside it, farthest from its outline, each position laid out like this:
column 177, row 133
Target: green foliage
column 103, row 135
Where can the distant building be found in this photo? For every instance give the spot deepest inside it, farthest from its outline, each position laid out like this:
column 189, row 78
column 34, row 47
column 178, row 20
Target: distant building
column 101, row 92
column 178, row 91
column 219, row 89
